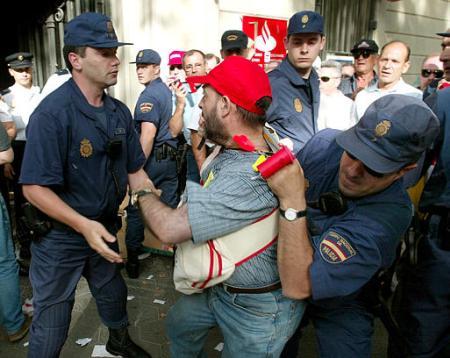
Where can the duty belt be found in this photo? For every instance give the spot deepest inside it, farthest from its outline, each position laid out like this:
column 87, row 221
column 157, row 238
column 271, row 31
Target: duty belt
column 165, row 151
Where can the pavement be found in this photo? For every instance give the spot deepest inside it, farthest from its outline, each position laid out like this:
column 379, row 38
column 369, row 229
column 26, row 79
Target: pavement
column 150, row 297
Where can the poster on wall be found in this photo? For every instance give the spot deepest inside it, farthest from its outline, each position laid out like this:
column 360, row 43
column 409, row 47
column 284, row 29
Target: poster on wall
column 267, row 35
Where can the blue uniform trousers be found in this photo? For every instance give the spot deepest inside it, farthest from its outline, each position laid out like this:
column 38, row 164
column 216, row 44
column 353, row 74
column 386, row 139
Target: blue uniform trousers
column 59, row 261
column 163, row 174
column 423, row 311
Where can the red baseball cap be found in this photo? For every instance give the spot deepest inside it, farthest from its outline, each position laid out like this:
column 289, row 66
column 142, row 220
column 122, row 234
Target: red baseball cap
column 176, row 58
column 241, row 80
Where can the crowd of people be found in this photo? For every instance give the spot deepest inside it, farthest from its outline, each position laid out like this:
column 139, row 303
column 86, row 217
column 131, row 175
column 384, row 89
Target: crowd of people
column 326, row 225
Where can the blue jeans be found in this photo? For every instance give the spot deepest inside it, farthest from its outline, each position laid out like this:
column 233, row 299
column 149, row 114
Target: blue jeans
column 192, row 172
column 11, row 317
column 253, row 325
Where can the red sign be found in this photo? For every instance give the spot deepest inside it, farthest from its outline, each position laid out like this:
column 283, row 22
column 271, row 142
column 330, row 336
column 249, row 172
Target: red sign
column 267, row 35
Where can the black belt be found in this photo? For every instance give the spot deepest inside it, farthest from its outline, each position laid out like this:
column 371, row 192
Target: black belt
column 110, row 225
column 265, row 289
column 165, row 151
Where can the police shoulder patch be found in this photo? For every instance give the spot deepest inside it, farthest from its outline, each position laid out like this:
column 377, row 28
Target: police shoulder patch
column 145, row 107
column 335, row 249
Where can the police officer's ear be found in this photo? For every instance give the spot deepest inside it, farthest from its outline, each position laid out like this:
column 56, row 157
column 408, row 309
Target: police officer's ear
column 405, row 170
column 74, row 60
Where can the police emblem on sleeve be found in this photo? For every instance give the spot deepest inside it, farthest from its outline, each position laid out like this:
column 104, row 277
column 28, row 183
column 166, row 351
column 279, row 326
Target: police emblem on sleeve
column 298, row 105
column 86, row 148
column 146, row 107
column 335, row 249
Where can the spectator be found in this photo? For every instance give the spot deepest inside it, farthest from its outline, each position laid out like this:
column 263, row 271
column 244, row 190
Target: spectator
column 392, row 64
column 365, row 53
column 335, row 109
column 347, row 70
column 430, row 74
column 211, row 61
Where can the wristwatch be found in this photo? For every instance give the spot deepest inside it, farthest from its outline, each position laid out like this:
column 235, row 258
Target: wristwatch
column 291, row 214
column 136, row 194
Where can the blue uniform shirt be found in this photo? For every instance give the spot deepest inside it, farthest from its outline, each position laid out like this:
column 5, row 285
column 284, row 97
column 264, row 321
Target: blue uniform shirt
column 349, row 248
column 155, row 106
column 437, row 189
column 67, row 151
column 292, row 113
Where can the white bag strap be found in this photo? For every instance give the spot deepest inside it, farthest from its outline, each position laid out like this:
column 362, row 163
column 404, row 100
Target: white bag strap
column 252, row 239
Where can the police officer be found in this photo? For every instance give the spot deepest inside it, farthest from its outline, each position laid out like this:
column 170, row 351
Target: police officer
column 423, row 295
column 81, row 148
column 19, row 98
column 295, row 82
column 331, row 257
column 151, row 117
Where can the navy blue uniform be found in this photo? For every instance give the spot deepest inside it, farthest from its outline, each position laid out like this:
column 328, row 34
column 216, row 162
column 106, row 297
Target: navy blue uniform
column 349, row 249
column 423, row 311
column 68, row 152
column 295, row 106
column 155, row 106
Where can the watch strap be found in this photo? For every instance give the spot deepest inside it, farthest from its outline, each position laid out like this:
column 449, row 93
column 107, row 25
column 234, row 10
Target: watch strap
column 299, row 214
column 135, row 195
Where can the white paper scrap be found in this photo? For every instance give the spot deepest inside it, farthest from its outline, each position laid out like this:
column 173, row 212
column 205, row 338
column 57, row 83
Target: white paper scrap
column 219, row 347
column 150, row 277
column 161, row 302
column 83, row 341
column 26, row 344
column 100, row 351
column 130, row 297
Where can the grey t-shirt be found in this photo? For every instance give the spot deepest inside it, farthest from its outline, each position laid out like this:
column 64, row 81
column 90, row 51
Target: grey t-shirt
column 231, row 199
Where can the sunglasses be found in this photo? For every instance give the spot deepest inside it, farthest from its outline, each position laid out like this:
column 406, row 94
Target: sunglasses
column 326, row 78
column 437, row 73
column 172, row 67
column 366, row 168
column 363, row 53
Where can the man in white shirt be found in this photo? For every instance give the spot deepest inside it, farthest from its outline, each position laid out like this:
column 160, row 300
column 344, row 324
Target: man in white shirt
column 392, row 64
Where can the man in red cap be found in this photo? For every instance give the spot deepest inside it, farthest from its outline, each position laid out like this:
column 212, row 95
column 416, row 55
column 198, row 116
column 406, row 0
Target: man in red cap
column 253, row 315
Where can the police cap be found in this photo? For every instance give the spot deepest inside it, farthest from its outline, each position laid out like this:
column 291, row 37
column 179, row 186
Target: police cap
column 147, row 56
column 19, row 60
column 305, row 22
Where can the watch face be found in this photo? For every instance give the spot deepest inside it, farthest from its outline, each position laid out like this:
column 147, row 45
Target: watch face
column 290, row 214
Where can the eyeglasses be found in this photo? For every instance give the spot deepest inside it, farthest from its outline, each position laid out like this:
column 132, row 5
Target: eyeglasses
column 172, row 67
column 366, row 168
column 326, row 78
column 363, row 53
column 437, row 73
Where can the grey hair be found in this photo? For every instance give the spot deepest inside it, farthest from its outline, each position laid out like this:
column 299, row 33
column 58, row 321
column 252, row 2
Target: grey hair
column 332, row 64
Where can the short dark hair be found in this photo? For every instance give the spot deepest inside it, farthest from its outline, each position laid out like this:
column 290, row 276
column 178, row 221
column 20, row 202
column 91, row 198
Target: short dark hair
column 79, row 50
column 210, row 56
column 253, row 119
column 408, row 49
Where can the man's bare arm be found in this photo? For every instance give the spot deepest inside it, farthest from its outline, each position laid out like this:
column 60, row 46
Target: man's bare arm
column 295, row 253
